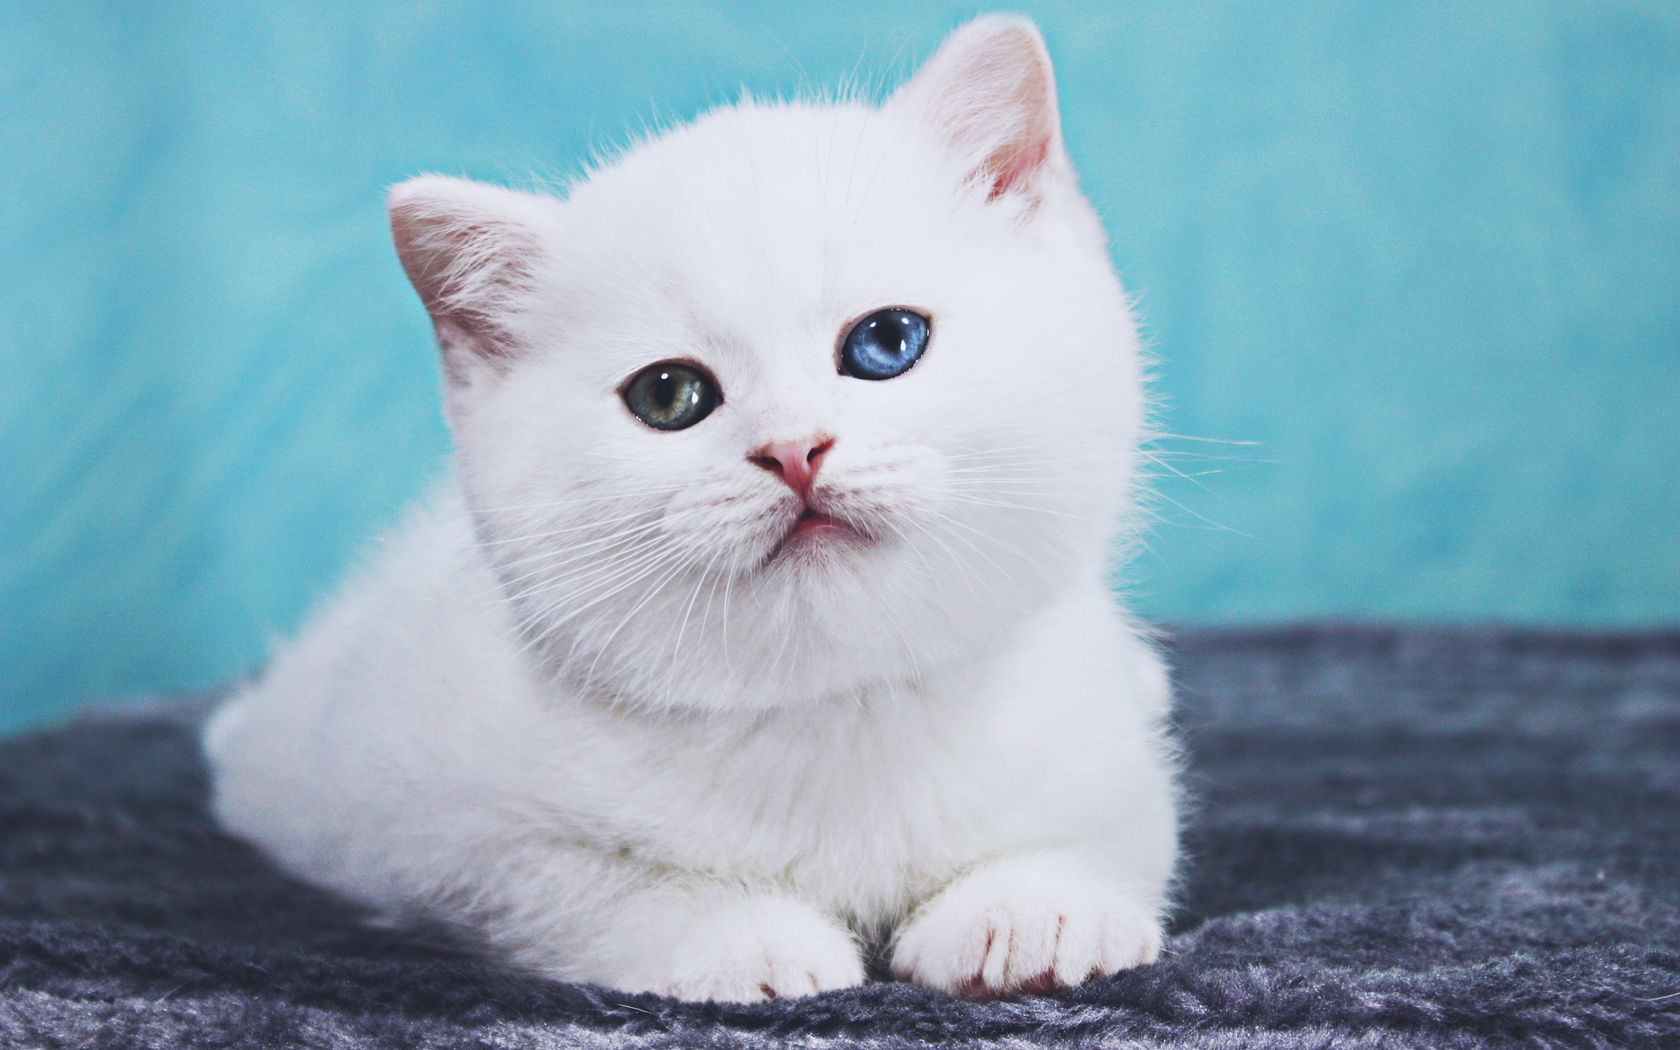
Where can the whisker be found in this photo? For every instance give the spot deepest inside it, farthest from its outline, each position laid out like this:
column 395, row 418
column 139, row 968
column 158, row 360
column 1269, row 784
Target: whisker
column 1156, row 435
column 598, row 573
column 646, row 570
column 580, row 549
column 658, row 585
column 704, row 575
column 597, row 523
column 1155, row 494
column 1033, row 508
column 576, row 565
column 576, row 500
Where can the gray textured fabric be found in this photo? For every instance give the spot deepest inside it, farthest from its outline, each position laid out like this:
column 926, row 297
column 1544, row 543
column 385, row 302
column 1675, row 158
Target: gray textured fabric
column 1402, row 839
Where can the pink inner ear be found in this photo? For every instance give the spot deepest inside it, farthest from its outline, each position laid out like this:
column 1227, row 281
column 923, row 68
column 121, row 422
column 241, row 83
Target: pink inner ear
column 458, row 268
column 1015, row 163
column 1018, row 159
column 990, row 94
column 430, row 251
column 438, row 286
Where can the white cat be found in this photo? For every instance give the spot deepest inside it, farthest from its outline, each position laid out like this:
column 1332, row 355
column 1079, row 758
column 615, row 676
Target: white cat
column 765, row 612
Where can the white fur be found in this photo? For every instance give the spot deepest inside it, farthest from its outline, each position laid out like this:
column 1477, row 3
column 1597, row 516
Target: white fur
column 582, row 709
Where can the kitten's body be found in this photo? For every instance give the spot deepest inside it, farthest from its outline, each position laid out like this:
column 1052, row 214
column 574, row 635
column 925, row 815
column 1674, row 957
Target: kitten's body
column 609, row 705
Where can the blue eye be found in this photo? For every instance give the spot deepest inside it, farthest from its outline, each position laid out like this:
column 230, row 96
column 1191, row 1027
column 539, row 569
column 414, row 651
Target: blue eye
column 884, row 344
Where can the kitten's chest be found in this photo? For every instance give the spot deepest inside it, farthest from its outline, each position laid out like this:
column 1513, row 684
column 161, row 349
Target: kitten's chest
column 865, row 808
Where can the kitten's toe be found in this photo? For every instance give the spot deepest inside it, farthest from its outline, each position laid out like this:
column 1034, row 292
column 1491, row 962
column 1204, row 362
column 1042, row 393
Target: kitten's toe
column 762, row 949
column 1024, row 928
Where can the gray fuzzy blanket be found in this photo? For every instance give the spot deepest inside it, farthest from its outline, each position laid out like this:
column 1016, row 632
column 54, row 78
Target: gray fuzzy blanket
column 1402, row 839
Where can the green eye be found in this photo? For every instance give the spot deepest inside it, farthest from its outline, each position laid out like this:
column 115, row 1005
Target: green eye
column 671, row 395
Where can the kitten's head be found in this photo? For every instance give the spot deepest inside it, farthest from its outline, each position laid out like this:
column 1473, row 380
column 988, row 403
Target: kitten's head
column 796, row 399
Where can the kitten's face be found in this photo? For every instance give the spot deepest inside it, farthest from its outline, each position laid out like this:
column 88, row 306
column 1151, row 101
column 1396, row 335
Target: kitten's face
column 836, row 519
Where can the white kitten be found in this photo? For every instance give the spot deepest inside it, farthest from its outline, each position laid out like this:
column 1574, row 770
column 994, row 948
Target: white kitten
column 766, row 611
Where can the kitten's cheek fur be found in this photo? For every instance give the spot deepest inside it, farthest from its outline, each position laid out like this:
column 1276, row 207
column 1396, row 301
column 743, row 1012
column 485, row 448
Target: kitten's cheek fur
column 1028, row 925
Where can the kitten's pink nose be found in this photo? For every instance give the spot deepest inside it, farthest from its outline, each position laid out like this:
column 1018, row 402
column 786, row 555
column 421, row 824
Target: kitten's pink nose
column 795, row 462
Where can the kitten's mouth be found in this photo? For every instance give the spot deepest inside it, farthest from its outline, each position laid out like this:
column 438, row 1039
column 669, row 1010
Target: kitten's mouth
column 815, row 523
column 814, row 529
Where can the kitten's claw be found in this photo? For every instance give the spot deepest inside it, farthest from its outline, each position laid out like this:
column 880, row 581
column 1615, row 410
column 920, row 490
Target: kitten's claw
column 762, row 949
column 1024, row 928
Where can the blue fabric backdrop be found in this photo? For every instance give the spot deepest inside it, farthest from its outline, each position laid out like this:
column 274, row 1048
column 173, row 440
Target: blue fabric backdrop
column 1413, row 267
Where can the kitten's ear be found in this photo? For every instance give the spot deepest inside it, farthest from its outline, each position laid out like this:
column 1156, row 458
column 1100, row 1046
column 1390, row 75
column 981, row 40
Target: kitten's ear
column 470, row 251
column 990, row 95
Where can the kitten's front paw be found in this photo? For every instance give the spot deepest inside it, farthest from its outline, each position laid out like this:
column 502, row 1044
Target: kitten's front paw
column 762, row 949
column 1021, row 927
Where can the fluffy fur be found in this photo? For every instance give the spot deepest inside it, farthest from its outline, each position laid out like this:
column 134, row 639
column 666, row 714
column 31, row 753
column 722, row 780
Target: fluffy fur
column 600, row 706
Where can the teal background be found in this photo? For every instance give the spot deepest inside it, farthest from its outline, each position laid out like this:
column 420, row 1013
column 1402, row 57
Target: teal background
column 1413, row 268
